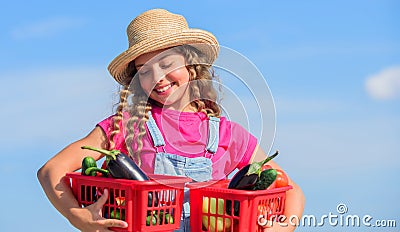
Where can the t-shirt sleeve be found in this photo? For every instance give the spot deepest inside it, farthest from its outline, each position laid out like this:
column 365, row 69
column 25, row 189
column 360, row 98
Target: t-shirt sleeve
column 107, row 126
column 246, row 144
column 239, row 143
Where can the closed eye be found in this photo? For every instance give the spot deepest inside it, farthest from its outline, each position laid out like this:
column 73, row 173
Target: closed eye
column 143, row 72
column 165, row 66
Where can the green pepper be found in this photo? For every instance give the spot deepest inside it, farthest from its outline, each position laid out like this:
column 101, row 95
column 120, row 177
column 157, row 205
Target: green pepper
column 92, row 171
column 88, row 162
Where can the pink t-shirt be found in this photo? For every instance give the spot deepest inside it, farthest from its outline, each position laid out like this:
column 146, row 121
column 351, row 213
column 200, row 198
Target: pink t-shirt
column 185, row 134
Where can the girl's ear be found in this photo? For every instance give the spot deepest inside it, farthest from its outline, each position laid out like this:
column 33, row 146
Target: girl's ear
column 192, row 72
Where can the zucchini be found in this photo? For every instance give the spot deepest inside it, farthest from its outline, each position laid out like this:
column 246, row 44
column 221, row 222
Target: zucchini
column 267, row 177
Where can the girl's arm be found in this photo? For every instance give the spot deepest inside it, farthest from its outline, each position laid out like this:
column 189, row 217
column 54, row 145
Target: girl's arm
column 295, row 200
column 57, row 188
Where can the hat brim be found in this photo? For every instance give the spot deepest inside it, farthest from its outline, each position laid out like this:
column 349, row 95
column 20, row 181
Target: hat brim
column 202, row 40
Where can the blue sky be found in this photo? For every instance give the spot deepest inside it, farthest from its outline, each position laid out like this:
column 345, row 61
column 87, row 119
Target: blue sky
column 333, row 68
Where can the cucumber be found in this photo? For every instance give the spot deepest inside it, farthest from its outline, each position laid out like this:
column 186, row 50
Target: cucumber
column 267, row 177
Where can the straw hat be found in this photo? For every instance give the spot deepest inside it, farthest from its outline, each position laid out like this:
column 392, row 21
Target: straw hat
column 159, row 29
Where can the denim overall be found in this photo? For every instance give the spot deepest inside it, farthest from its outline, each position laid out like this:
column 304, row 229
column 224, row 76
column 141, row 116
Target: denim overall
column 198, row 169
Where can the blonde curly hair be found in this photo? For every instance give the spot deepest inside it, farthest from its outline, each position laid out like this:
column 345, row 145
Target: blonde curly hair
column 137, row 104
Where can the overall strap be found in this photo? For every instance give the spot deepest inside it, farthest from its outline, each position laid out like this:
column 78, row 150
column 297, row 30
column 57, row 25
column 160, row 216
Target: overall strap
column 155, row 133
column 213, row 134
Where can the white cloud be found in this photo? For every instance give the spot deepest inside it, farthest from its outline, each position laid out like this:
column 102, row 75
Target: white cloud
column 45, row 28
column 384, row 85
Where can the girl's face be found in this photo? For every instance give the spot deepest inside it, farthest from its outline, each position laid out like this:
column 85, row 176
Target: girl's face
column 164, row 78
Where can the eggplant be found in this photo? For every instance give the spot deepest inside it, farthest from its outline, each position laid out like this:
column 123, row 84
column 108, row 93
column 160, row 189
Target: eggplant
column 120, row 165
column 247, row 177
column 241, row 181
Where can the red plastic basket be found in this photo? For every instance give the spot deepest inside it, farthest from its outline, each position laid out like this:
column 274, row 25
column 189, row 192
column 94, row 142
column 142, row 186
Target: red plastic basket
column 236, row 210
column 153, row 205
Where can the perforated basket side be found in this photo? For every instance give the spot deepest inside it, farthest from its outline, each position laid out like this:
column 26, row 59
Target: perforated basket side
column 129, row 200
column 216, row 208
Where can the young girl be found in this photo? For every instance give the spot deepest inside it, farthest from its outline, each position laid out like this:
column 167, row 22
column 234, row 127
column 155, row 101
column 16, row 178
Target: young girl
column 167, row 120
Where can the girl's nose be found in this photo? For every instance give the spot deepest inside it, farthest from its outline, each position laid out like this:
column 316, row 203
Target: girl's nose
column 158, row 75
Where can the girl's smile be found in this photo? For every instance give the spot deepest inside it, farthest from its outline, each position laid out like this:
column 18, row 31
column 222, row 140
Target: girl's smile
column 164, row 78
column 164, row 89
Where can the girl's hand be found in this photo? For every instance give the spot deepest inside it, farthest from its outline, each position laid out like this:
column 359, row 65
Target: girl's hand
column 91, row 219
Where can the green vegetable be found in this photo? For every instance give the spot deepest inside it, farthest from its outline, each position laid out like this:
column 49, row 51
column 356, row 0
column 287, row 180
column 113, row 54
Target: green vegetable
column 169, row 219
column 267, row 177
column 88, row 162
column 163, row 218
column 152, row 219
column 117, row 214
column 92, row 171
column 256, row 166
